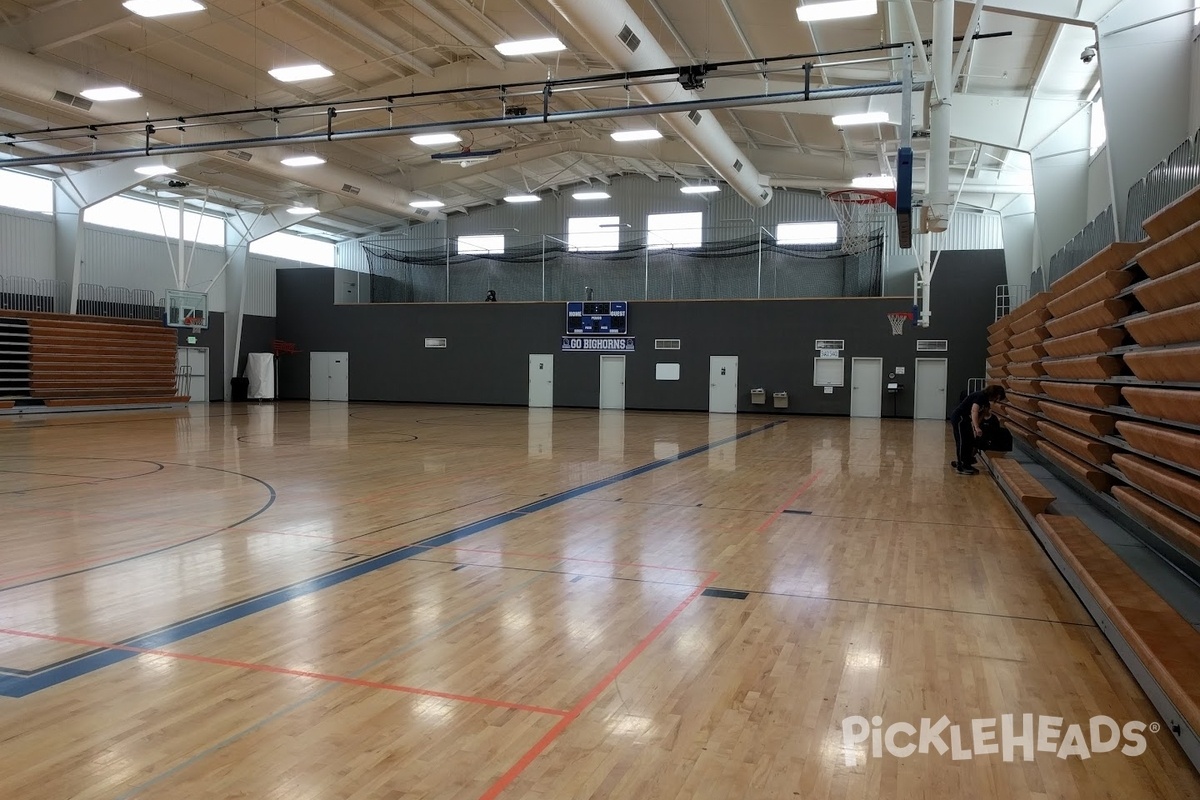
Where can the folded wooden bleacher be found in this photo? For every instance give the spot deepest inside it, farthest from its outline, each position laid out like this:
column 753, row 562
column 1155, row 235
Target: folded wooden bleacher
column 59, row 361
column 1103, row 379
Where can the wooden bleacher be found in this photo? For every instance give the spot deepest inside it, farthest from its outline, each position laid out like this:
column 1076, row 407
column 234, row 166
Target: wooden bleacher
column 75, row 361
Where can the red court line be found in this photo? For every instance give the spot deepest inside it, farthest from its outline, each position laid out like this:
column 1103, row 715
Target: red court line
column 320, row 676
column 787, row 503
column 515, row 771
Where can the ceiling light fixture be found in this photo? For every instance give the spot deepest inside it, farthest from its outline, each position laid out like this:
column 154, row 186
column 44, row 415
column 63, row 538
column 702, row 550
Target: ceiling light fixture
column 868, row 118
column 154, row 169
column 526, row 47
column 522, row 198
column 591, row 196
column 813, row 11
column 874, row 182
column 636, row 136
column 300, row 72
column 303, row 210
column 302, row 161
column 427, row 204
column 706, row 188
column 426, row 139
column 162, row 8
column 103, row 94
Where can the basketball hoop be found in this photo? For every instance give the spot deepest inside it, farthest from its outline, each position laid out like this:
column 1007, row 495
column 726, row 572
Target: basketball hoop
column 898, row 319
column 857, row 212
column 282, row 348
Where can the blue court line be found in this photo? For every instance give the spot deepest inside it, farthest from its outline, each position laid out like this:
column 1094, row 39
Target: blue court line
column 21, row 686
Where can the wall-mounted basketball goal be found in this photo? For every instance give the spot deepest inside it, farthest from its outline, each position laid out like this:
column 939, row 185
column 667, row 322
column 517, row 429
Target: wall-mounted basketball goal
column 186, row 310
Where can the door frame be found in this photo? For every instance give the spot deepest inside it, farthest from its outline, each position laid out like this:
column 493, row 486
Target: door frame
column 917, row 386
column 614, row 358
column 189, row 349
column 712, row 386
column 853, row 389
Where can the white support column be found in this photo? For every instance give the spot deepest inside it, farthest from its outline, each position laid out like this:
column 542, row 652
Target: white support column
column 73, row 193
column 1145, row 68
column 939, row 197
column 240, row 230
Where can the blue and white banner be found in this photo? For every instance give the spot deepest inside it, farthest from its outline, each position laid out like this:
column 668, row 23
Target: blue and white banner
column 598, row 344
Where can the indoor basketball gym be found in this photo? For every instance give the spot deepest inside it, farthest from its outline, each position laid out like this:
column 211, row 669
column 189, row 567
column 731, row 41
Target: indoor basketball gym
column 549, row 399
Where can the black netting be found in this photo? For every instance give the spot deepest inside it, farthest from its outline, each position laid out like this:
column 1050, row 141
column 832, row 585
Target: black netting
column 738, row 269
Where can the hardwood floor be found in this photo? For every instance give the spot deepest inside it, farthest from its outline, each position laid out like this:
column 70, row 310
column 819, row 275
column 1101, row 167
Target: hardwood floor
column 374, row 601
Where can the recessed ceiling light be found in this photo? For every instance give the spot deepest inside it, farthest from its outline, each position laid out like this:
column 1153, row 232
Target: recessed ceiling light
column 427, row 204
column 162, row 8
column 303, row 210
column 302, row 161
column 874, row 182
column 155, row 169
column 300, row 72
column 869, row 118
column 522, row 198
column 527, row 47
column 636, row 136
column 436, row 138
column 813, row 11
column 702, row 189
column 103, row 94
column 591, row 195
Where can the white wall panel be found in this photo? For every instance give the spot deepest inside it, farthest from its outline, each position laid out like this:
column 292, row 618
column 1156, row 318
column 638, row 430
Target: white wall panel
column 26, row 245
column 1099, row 185
column 136, row 261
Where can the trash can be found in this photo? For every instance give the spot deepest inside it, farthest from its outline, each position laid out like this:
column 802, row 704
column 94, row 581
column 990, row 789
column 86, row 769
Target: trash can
column 239, row 389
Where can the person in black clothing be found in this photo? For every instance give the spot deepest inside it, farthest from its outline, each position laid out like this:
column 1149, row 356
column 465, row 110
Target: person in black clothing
column 967, row 421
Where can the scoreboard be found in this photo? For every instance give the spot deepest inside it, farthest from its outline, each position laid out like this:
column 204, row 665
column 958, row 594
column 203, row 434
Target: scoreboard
column 609, row 317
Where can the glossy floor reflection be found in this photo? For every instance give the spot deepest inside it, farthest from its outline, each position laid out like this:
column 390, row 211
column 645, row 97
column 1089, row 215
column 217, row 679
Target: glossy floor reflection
column 375, row 601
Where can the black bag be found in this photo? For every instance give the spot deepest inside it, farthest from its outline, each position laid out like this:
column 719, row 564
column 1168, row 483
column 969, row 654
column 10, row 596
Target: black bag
column 996, row 437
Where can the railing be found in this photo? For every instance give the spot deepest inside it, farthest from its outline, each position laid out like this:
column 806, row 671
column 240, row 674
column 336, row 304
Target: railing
column 1009, row 296
column 19, row 293
column 183, row 381
column 1097, row 235
column 117, row 301
column 643, row 267
column 1171, row 179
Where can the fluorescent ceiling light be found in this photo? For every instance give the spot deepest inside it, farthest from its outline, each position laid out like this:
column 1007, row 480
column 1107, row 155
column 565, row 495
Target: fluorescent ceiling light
column 301, row 72
column 591, row 195
column 427, row 204
column 837, row 9
column 103, row 94
column 702, row 189
column 303, row 210
column 869, row 118
column 162, row 8
column 436, row 138
column 635, row 136
column 522, row 198
column 530, row 46
column 302, row 161
column 155, row 169
column 874, row 182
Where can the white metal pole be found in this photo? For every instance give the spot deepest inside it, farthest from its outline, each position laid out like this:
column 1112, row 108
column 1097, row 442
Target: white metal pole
column 937, row 211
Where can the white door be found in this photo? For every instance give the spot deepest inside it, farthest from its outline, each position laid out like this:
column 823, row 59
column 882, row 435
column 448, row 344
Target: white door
column 541, row 381
column 329, row 377
column 722, row 384
column 612, row 382
column 339, row 377
column 930, row 382
column 866, row 387
column 195, row 360
column 318, row 376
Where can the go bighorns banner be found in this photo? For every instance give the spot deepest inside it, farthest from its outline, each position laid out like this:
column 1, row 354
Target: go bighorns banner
column 598, row 344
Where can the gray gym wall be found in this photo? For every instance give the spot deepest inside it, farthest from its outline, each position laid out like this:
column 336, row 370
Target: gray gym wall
column 487, row 358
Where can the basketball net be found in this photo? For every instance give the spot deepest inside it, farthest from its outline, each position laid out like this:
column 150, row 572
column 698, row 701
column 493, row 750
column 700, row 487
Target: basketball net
column 857, row 212
column 897, row 320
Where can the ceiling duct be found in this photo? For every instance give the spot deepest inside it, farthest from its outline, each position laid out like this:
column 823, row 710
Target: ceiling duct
column 619, row 36
column 30, row 78
column 68, row 99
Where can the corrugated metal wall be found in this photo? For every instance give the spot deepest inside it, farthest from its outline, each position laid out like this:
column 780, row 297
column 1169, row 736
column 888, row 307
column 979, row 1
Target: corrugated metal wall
column 260, row 286
column 26, row 245
column 138, row 261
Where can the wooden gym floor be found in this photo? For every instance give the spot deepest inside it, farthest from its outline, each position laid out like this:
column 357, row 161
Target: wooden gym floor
column 373, row 601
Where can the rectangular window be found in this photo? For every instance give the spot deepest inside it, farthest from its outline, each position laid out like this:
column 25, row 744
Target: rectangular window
column 26, row 192
column 675, row 230
column 806, row 233
column 481, row 245
column 1099, row 129
column 155, row 219
column 597, row 234
column 295, row 248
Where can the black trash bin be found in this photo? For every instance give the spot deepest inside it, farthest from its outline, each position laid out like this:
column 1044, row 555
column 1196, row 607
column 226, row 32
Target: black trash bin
column 239, row 389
